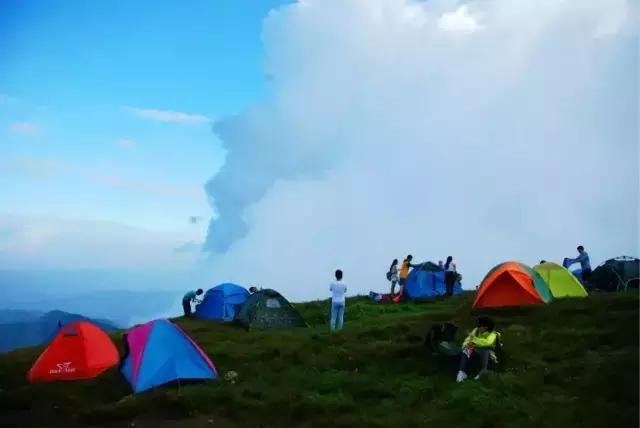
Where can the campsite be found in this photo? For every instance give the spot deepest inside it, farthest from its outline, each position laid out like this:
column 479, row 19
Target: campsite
column 572, row 362
column 319, row 213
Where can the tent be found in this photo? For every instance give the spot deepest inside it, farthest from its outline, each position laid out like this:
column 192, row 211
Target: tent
column 159, row 352
column 81, row 350
column 428, row 281
column 222, row 302
column 562, row 283
column 512, row 284
column 268, row 309
column 616, row 274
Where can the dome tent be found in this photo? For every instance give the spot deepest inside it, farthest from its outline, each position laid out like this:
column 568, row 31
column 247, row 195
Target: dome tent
column 426, row 281
column 159, row 352
column 222, row 302
column 561, row 282
column 268, row 309
column 512, row 284
column 81, row 350
column 615, row 274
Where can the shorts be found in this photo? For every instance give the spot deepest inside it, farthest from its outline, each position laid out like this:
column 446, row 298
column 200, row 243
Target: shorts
column 586, row 275
column 402, row 281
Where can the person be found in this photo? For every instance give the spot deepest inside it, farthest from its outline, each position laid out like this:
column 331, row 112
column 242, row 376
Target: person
column 480, row 343
column 585, row 264
column 338, row 291
column 404, row 271
column 450, row 275
column 190, row 296
column 440, row 264
column 393, row 275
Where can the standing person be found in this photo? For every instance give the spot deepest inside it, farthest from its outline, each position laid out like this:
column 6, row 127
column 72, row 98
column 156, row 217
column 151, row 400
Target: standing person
column 585, row 264
column 393, row 275
column 190, row 296
column 338, row 291
column 450, row 275
column 404, row 271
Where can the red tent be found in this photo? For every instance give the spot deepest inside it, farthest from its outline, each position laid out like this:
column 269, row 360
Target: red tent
column 512, row 284
column 80, row 350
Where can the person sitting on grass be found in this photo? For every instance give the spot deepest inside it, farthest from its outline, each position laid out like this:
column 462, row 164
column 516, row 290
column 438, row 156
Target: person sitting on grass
column 481, row 343
column 190, row 296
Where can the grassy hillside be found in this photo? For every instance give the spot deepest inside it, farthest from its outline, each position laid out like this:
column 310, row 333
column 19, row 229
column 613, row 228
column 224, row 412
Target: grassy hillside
column 571, row 363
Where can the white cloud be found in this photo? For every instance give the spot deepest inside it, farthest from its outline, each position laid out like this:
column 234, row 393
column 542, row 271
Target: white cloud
column 26, row 128
column 125, row 143
column 459, row 21
column 65, row 243
column 169, row 116
column 384, row 139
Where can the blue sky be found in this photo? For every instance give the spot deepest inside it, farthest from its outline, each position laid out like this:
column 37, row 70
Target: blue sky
column 106, row 108
column 106, row 135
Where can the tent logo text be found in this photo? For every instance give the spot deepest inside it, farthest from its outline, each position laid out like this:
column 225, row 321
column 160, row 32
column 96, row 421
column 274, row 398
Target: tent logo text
column 63, row 368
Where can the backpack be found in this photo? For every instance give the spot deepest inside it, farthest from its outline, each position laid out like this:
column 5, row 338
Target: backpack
column 438, row 333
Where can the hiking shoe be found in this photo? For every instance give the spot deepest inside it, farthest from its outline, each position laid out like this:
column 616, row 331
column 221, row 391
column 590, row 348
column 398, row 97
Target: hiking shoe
column 461, row 376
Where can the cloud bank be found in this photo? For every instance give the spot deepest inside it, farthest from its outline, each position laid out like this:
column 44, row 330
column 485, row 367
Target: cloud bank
column 46, row 242
column 494, row 130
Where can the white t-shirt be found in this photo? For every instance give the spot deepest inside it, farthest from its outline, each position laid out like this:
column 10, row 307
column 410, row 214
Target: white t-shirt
column 338, row 290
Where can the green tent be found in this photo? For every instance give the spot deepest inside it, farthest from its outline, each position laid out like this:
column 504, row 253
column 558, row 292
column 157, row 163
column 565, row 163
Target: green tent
column 539, row 283
column 617, row 274
column 561, row 282
column 268, row 309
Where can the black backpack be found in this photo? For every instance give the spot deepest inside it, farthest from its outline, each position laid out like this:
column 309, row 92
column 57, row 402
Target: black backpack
column 445, row 332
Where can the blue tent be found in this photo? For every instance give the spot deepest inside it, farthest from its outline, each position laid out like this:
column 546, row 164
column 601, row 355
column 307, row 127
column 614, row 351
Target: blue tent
column 222, row 302
column 159, row 352
column 578, row 274
column 427, row 283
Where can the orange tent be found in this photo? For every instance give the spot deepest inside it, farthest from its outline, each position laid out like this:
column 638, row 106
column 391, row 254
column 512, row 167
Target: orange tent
column 80, row 350
column 512, row 284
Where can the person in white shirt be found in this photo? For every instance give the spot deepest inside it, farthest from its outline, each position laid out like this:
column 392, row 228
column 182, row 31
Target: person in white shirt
column 450, row 275
column 338, row 290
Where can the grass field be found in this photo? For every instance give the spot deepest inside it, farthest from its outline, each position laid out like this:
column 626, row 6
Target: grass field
column 573, row 363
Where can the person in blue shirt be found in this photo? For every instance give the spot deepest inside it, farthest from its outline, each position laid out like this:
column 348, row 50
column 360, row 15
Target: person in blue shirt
column 190, row 296
column 585, row 264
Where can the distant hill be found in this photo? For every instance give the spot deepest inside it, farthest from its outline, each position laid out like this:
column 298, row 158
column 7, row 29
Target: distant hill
column 41, row 329
column 121, row 306
column 18, row 315
column 120, row 296
column 572, row 363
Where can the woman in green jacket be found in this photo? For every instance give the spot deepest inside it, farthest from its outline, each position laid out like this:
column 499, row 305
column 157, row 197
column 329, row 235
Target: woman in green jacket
column 480, row 343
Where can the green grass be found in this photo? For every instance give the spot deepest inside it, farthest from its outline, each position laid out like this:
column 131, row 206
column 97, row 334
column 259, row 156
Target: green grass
column 570, row 363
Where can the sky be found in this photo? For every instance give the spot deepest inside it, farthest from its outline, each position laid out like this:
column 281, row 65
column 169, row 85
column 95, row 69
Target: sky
column 270, row 144
column 106, row 114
